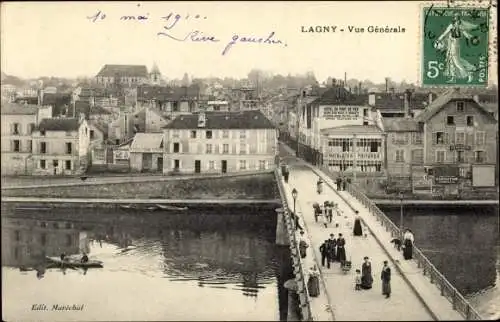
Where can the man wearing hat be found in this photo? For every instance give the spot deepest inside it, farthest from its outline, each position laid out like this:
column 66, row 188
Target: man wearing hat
column 386, row 280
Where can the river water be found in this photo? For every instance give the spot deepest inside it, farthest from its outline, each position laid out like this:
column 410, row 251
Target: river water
column 157, row 266
column 463, row 245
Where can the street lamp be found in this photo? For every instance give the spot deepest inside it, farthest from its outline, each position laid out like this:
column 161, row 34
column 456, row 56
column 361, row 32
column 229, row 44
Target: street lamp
column 401, row 195
column 294, row 195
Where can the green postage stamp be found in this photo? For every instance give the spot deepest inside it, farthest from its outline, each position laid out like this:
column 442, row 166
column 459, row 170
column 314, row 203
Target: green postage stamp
column 455, row 46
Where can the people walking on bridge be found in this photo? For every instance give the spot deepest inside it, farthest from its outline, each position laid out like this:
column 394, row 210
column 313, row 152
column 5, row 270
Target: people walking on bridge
column 331, row 248
column 302, row 245
column 408, row 240
column 329, row 210
column 285, row 171
column 313, row 282
column 325, row 258
column 338, row 181
column 319, row 186
column 341, row 257
column 357, row 280
column 366, row 274
column 357, row 230
column 386, row 280
column 296, row 221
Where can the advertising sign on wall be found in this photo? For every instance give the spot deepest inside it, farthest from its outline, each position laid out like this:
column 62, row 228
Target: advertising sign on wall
column 446, row 174
column 483, row 175
column 344, row 113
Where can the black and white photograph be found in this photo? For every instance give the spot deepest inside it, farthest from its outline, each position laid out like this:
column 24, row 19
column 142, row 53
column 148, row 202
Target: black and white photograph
column 249, row 161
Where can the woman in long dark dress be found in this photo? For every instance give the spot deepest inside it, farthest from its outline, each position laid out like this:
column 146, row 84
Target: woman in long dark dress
column 366, row 275
column 408, row 240
column 313, row 282
column 357, row 230
column 341, row 257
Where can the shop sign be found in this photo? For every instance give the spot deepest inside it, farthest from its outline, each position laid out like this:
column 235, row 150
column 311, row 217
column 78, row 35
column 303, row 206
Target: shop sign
column 341, row 113
column 459, row 147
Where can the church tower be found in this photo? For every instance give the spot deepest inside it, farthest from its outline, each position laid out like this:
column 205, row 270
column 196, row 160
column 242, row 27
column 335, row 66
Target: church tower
column 155, row 75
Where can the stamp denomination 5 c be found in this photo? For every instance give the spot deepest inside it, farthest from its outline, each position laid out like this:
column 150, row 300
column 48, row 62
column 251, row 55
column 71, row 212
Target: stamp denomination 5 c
column 455, row 46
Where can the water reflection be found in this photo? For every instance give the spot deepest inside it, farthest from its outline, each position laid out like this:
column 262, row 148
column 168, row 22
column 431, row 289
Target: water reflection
column 239, row 258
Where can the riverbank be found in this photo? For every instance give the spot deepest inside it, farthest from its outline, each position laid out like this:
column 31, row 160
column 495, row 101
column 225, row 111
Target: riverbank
column 433, row 203
column 256, row 186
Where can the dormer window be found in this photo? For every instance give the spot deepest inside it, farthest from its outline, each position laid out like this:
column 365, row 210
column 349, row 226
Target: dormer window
column 460, row 107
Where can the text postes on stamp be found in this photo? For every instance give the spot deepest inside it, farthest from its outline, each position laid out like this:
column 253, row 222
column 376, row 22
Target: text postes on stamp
column 454, row 46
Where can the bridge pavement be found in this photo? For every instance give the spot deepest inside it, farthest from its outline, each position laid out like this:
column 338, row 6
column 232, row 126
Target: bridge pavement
column 346, row 303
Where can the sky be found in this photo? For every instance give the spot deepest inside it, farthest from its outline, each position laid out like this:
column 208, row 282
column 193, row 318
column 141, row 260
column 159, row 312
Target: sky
column 59, row 39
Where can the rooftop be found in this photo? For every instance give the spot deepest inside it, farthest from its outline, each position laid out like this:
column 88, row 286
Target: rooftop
column 59, row 124
column 357, row 129
column 340, row 96
column 164, row 93
column 123, row 71
column 18, row 109
column 253, row 119
column 400, row 124
column 146, row 141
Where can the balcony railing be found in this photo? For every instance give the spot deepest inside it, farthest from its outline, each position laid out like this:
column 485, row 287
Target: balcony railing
column 351, row 155
column 460, row 304
column 300, row 276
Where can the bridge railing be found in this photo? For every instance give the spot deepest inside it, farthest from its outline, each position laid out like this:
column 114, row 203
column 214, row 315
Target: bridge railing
column 300, row 276
column 460, row 304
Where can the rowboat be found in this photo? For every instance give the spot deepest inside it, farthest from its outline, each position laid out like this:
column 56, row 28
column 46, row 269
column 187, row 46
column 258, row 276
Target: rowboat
column 127, row 207
column 72, row 262
column 171, row 208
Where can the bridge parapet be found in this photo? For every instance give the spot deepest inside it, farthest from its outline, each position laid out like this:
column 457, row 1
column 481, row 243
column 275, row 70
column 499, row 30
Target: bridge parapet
column 299, row 267
column 460, row 304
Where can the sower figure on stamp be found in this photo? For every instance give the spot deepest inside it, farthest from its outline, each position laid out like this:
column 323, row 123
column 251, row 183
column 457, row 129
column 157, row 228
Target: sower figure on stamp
column 456, row 66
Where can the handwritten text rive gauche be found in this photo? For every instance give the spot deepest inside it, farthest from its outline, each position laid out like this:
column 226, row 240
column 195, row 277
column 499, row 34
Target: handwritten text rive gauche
column 170, row 31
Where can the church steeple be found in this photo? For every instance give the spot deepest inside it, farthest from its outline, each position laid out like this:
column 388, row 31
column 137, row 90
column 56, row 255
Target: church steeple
column 155, row 75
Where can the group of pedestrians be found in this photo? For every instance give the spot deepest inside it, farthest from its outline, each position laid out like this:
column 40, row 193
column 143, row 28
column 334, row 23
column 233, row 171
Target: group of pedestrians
column 333, row 250
column 364, row 278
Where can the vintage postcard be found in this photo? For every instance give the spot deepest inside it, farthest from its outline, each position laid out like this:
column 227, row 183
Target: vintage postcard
column 249, row 161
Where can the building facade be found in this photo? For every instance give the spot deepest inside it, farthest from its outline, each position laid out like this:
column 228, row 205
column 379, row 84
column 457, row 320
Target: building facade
column 18, row 124
column 220, row 143
column 125, row 75
column 146, row 152
column 61, row 146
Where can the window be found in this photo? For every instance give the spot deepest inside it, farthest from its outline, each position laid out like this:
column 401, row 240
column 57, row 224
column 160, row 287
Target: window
column 417, row 156
column 31, row 128
column 440, row 138
column 459, row 137
column 208, row 134
column 225, row 148
column 69, row 133
column 262, row 164
column 399, row 156
column 175, row 133
column 211, row 165
column 175, row 106
column 416, row 138
column 460, row 107
column 69, row 240
column 177, row 164
column 30, row 146
column 365, row 122
column 43, row 239
column 15, row 129
column 460, row 156
column 480, row 156
column 225, row 134
column 16, row 145
column 67, row 164
column 400, row 138
column 43, row 164
column 209, row 148
column 193, row 134
column 365, row 112
column 243, row 164
column 43, row 147
column 470, row 120
column 243, row 134
column 176, row 147
column 69, row 148
column 440, row 156
column 92, row 134
column 450, row 120
column 243, row 149
column 480, row 138
column 42, row 133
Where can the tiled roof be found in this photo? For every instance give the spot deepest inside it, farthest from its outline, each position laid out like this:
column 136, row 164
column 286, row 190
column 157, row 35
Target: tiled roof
column 144, row 141
column 123, row 71
column 59, row 124
column 436, row 105
column 58, row 101
column 163, row 93
column 81, row 107
column 399, row 124
column 358, row 129
column 390, row 101
column 18, row 109
column 340, row 96
column 253, row 119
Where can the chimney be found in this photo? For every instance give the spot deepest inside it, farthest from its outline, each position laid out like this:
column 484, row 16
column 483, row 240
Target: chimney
column 371, row 99
column 386, row 84
column 406, row 104
column 40, row 97
column 202, row 119
column 430, row 98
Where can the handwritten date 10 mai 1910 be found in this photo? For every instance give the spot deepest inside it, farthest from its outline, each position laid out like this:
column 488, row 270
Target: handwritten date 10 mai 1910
column 172, row 20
